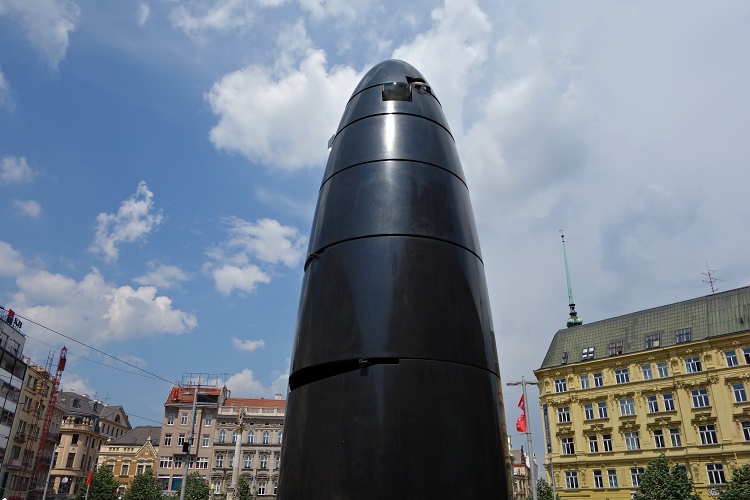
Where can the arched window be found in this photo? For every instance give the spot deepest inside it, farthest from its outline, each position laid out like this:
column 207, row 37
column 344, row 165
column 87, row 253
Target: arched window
column 266, row 436
column 251, row 437
column 222, row 436
column 117, row 419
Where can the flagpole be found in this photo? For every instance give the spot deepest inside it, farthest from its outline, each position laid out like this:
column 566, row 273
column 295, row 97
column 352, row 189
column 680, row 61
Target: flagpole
column 530, row 450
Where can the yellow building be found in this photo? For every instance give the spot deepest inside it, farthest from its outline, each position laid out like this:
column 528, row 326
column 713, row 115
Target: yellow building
column 131, row 454
column 617, row 393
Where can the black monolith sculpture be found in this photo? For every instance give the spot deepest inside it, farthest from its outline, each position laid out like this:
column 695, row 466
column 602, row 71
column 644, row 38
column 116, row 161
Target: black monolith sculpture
column 394, row 383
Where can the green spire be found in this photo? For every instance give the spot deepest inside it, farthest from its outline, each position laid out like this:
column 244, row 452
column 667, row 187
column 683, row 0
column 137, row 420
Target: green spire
column 574, row 320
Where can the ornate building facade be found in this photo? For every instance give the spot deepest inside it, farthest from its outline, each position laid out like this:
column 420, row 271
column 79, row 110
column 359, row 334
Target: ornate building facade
column 671, row 380
column 131, row 454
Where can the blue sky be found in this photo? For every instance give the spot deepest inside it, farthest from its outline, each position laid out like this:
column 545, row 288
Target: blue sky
column 161, row 161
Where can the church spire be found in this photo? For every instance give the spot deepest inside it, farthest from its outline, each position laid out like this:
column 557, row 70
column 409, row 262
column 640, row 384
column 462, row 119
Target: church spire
column 574, row 320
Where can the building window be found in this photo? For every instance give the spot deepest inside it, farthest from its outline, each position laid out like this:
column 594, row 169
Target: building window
column 183, row 419
column 278, row 437
column 668, row 402
column 234, row 437
column 178, row 460
column 124, row 469
column 662, row 369
column 563, row 414
column 561, row 385
column 571, row 479
column 598, row 379
column 278, row 461
column 740, row 396
column 165, row 462
column 674, row 437
column 264, row 461
column 715, row 474
column 231, row 460
column 632, row 441
column 659, row 438
column 615, row 348
column 217, row 487
column 635, row 475
column 627, row 407
column 248, row 460
column 167, row 439
column 206, row 441
column 588, row 411
column 208, row 419
column 683, row 335
column 700, row 398
column 219, row 461
column 584, row 381
column 647, row 374
column 602, row 407
column 202, row 463
column 568, row 448
column 170, row 418
column 565, row 358
column 693, row 365
column 69, row 463
column 180, row 439
column 593, row 444
column 746, row 430
column 598, row 481
column 266, row 437
column 587, row 353
column 652, row 340
column 622, row 376
column 140, row 468
column 262, row 488
column 746, row 352
column 250, row 437
column 612, row 476
column 653, row 404
column 708, row 434
column 607, row 442
column 222, row 436
column 731, row 357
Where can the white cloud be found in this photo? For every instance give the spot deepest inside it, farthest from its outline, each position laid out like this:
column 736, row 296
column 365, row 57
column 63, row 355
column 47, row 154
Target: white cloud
column 195, row 17
column 47, row 23
column 134, row 220
column 450, row 53
column 244, row 385
column 144, row 11
column 162, row 276
column 284, row 120
column 264, row 240
column 16, row 170
column 322, row 9
column 76, row 383
column 12, row 260
column 98, row 311
column 28, row 208
column 247, row 345
column 5, row 99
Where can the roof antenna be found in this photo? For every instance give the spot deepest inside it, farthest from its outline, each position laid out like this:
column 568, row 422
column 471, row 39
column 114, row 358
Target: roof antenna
column 711, row 279
column 574, row 320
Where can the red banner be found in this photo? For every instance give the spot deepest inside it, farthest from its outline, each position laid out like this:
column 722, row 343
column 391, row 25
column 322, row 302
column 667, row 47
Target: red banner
column 521, row 423
column 88, row 480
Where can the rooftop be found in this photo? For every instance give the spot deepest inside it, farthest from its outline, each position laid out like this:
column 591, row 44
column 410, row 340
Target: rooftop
column 255, row 403
column 139, row 435
column 714, row 315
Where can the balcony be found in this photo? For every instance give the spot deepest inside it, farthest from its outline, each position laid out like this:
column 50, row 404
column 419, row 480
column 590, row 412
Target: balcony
column 14, row 464
column 20, row 437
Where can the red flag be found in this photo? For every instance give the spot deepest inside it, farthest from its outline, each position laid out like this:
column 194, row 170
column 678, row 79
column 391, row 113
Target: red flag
column 521, row 404
column 521, row 422
column 88, row 481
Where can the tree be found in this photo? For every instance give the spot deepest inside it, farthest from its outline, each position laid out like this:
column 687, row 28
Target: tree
column 103, row 486
column 145, row 487
column 659, row 482
column 544, row 491
column 243, row 490
column 738, row 487
column 196, row 488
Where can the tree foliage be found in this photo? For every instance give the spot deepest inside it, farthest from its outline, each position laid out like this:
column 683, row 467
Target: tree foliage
column 145, row 487
column 544, row 491
column 659, row 482
column 738, row 487
column 103, row 486
column 243, row 490
column 196, row 488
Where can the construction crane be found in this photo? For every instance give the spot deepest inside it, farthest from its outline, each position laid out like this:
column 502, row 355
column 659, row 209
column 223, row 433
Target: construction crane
column 49, row 416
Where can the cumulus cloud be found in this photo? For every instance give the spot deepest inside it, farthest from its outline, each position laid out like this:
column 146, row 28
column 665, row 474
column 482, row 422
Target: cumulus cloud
column 244, row 384
column 322, row 9
column 28, row 208
column 96, row 310
column 247, row 345
column 162, row 276
column 12, row 260
column 196, row 17
column 16, row 170
column 77, row 383
column 281, row 119
column 265, row 241
column 144, row 11
column 47, row 24
column 134, row 220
